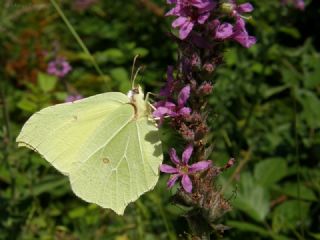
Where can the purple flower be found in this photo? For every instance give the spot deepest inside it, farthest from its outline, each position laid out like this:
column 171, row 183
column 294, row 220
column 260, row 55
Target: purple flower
column 170, row 109
column 223, row 30
column 190, row 13
column 72, row 98
column 241, row 35
column 59, row 67
column 237, row 32
column 182, row 169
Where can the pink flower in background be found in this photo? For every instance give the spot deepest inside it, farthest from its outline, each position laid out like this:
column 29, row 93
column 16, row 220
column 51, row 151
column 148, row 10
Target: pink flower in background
column 82, row 5
column 182, row 169
column 59, row 67
column 299, row 4
column 72, row 98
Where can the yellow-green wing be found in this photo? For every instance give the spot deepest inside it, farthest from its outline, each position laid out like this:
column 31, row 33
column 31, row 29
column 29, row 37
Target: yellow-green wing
column 126, row 167
column 68, row 133
column 110, row 156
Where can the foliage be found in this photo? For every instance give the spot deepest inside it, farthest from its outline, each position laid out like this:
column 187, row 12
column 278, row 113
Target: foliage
column 265, row 111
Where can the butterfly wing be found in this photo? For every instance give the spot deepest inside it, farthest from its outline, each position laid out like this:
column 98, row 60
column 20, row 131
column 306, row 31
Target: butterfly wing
column 126, row 167
column 111, row 157
column 59, row 133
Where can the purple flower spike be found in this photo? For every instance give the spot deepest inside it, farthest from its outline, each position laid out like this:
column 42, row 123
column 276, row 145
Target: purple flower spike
column 182, row 169
column 59, row 67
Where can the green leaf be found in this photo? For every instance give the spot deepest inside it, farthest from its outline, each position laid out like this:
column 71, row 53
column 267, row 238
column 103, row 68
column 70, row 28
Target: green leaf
column 311, row 110
column 113, row 55
column 274, row 90
column 46, row 82
column 252, row 198
column 270, row 171
column 287, row 215
column 249, row 227
column 78, row 212
column 291, row 189
column 142, row 52
column 316, row 236
column 47, row 184
column 27, row 105
column 120, row 75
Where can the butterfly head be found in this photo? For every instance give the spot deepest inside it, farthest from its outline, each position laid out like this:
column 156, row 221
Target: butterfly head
column 136, row 97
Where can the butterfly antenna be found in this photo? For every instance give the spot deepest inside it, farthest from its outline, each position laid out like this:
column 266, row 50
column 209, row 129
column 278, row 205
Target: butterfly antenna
column 133, row 76
column 136, row 74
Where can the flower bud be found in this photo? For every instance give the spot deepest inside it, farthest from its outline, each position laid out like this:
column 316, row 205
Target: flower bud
column 205, row 88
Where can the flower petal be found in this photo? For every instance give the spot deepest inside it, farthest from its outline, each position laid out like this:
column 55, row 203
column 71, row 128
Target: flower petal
column 172, row 180
column 186, row 183
column 160, row 112
column 179, row 22
column 168, row 169
column 184, row 95
column 173, row 156
column 245, row 8
column 199, row 166
column 224, row 30
column 185, row 111
column 187, row 154
column 185, row 29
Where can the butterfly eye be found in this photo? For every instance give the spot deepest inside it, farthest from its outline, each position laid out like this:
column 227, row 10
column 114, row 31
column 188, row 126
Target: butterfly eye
column 135, row 90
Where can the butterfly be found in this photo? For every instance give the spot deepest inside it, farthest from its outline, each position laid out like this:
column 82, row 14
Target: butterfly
column 108, row 145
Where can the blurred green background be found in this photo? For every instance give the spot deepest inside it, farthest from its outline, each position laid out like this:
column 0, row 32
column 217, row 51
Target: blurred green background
column 265, row 113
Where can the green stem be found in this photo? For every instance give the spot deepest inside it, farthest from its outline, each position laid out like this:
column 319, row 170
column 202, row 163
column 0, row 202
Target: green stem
column 76, row 36
column 7, row 138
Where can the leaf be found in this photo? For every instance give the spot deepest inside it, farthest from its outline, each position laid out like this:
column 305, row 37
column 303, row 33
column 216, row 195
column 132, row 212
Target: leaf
column 311, row 110
column 113, row 55
column 47, row 184
column 46, row 82
column 316, row 236
column 27, row 105
column 120, row 75
column 252, row 198
column 287, row 215
column 78, row 212
column 270, row 171
column 249, row 227
column 291, row 189
column 274, row 90
column 142, row 52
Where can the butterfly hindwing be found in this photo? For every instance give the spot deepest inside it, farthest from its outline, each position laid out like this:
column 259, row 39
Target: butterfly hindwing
column 122, row 170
